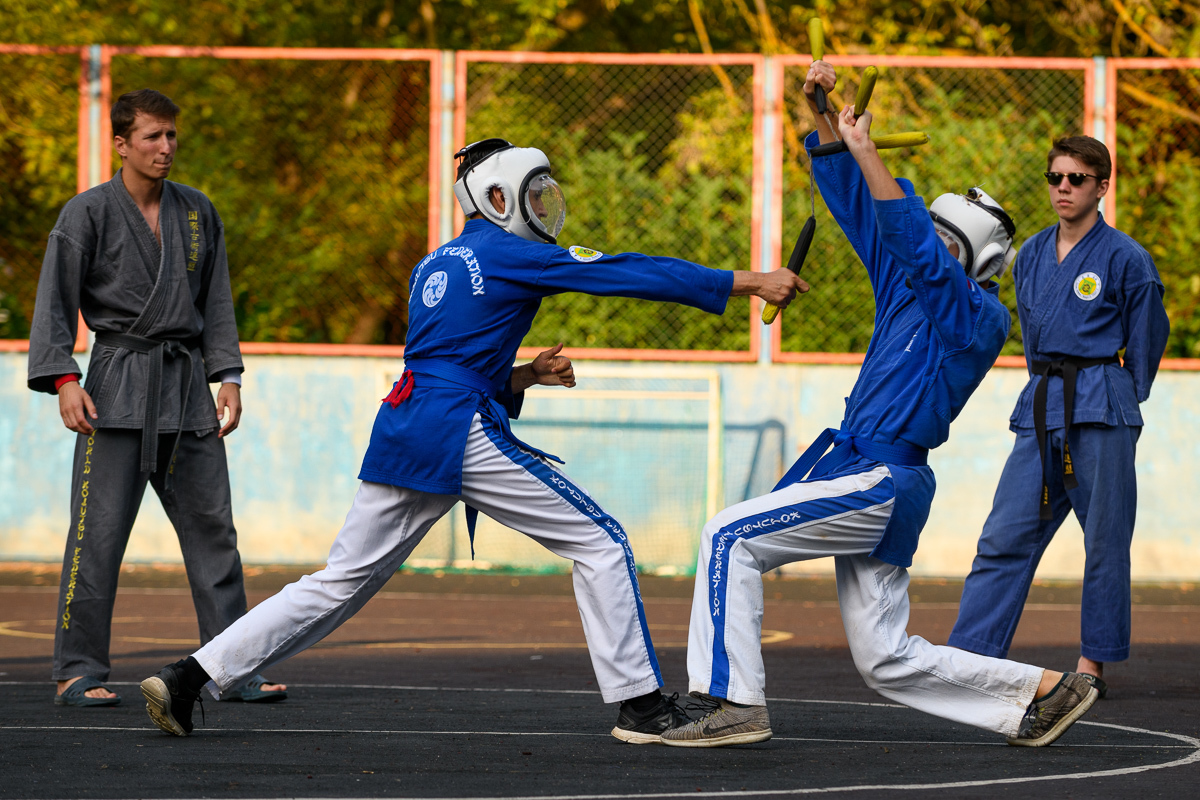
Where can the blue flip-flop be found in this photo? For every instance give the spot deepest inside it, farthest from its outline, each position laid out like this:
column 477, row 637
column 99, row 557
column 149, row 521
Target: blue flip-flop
column 251, row 692
column 76, row 694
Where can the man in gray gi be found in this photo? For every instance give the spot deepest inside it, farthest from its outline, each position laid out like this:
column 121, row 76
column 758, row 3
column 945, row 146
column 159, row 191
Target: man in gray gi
column 143, row 259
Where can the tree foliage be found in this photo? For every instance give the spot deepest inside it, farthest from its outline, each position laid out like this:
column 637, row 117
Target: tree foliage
column 319, row 173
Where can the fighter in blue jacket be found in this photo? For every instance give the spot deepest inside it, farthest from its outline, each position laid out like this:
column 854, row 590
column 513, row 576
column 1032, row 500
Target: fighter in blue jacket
column 1085, row 292
column 442, row 435
column 938, row 329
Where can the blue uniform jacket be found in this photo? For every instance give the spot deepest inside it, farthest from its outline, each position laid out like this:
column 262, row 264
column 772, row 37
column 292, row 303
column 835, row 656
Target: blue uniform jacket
column 471, row 303
column 937, row 332
column 1104, row 297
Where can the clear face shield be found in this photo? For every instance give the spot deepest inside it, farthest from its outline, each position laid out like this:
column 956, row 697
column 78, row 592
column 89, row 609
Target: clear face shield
column 543, row 204
column 951, row 241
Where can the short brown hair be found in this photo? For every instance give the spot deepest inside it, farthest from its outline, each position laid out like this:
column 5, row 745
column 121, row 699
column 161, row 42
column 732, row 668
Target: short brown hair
column 125, row 110
column 1087, row 151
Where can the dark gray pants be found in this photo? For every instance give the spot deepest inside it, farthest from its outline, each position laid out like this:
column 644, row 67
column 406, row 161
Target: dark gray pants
column 106, row 492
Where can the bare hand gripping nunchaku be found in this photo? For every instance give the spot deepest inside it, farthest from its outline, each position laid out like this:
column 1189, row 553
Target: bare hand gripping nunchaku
column 816, row 36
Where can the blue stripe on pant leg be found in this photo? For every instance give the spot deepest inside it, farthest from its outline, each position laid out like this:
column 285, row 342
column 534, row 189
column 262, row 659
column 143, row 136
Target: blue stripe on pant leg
column 579, row 500
column 773, row 521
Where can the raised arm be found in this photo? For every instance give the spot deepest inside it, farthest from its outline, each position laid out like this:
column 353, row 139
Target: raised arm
column 856, row 133
column 947, row 297
column 821, row 73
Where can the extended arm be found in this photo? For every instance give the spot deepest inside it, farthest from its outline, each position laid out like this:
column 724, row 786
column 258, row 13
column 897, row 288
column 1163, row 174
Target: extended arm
column 778, row 288
column 663, row 279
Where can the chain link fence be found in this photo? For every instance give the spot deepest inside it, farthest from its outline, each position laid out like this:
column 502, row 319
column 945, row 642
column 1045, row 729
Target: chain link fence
column 39, row 117
column 987, row 127
column 1158, row 186
column 653, row 158
column 320, row 165
column 320, row 171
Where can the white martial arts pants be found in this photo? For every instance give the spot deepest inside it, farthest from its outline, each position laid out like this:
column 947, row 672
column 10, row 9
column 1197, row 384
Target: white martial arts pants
column 843, row 517
column 386, row 522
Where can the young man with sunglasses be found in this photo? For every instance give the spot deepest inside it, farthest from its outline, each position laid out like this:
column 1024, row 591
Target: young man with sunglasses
column 1085, row 292
column 938, row 329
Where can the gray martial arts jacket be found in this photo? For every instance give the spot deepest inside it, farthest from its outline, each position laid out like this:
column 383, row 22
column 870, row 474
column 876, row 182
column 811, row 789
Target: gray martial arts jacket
column 103, row 260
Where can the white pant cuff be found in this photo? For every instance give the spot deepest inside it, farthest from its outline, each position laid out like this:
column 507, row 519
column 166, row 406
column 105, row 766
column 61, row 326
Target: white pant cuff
column 633, row 690
column 221, row 680
column 742, row 696
column 1024, row 699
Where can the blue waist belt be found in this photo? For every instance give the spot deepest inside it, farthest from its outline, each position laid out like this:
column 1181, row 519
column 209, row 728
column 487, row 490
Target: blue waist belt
column 469, row 379
column 460, row 376
column 846, row 445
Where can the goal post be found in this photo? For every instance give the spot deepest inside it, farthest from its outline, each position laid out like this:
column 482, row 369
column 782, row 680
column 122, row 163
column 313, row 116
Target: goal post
column 646, row 444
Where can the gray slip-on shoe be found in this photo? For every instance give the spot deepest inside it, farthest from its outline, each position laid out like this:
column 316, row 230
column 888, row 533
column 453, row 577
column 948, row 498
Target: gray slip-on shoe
column 1048, row 718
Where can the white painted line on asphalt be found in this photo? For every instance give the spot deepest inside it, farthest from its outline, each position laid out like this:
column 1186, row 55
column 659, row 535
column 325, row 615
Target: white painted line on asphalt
column 572, row 734
column 1188, row 743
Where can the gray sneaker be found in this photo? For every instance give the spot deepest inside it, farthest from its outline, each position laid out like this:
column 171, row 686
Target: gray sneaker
column 1049, row 718
column 724, row 724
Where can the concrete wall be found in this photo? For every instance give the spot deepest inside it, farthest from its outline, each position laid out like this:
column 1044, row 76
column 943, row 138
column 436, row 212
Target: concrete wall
column 307, row 421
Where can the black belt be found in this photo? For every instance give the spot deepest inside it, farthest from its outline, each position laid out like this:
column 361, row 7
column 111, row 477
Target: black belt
column 1068, row 370
column 159, row 350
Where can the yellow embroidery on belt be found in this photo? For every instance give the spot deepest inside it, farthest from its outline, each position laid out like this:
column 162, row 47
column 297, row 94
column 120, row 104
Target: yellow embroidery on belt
column 193, row 240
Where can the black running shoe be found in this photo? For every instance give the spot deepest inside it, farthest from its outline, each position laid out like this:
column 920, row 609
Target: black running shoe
column 648, row 727
column 168, row 703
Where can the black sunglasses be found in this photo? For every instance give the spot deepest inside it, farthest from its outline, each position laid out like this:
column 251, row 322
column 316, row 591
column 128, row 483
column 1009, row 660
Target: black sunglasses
column 1076, row 178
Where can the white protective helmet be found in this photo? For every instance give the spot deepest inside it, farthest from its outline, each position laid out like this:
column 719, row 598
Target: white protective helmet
column 534, row 207
column 980, row 228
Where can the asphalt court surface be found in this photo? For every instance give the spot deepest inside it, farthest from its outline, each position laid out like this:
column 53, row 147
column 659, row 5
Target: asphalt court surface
column 481, row 686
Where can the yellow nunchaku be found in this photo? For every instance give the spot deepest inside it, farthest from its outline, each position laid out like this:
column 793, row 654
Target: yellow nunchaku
column 866, row 86
column 888, row 140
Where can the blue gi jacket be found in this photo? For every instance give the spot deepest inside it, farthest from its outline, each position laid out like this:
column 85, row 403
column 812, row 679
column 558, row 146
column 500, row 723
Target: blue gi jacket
column 471, row 303
column 937, row 332
column 1104, row 297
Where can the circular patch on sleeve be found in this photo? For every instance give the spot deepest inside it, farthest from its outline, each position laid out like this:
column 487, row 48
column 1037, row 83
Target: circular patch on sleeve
column 584, row 254
column 435, row 289
column 1087, row 286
